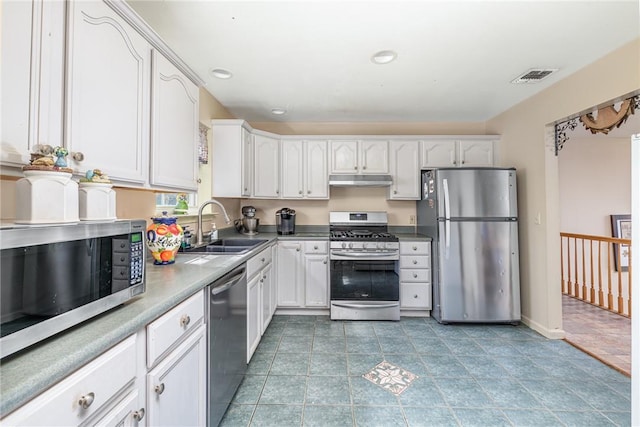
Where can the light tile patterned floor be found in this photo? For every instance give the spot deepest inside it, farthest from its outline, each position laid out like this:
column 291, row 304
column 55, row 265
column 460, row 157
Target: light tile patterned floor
column 308, row 371
column 601, row 333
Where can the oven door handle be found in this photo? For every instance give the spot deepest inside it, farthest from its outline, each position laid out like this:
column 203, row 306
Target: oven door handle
column 364, row 306
column 364, row 254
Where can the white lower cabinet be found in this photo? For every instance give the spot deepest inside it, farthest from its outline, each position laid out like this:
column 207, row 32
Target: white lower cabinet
column 127, row 413
column 260, row 303
column 290, row 274
column 303, row 274
column 176, row 388
column 415, row 275
column 87, row 393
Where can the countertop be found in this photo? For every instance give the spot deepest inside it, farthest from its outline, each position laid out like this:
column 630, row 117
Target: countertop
column 31, row 371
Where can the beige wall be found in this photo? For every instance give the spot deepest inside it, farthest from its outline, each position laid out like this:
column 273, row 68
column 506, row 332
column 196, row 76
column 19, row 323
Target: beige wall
column 527, row 144
column 595, row 182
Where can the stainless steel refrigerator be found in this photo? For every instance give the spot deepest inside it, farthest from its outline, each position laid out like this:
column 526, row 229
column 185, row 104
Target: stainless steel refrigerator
column 472, row 216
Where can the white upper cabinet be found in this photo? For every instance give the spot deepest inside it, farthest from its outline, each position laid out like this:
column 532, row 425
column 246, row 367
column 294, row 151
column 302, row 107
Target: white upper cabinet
column 304, row 169
column 359, row 156
column 232, row 158
column 405, row 170
column 266, row 155
column 108, row 99
column 33, row 46
column 292, row 168
column 457, row 153
column 174, row 135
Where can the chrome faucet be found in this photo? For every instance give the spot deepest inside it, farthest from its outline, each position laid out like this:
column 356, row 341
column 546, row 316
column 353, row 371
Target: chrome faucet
column 200, row 238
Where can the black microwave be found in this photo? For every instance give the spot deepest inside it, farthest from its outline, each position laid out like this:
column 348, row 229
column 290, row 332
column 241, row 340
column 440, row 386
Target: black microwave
column 53, row 277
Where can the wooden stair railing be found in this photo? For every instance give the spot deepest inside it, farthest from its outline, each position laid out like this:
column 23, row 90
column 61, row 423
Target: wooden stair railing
column 586, row 259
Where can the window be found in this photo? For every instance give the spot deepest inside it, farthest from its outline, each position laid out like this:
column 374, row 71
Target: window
column 169, row 201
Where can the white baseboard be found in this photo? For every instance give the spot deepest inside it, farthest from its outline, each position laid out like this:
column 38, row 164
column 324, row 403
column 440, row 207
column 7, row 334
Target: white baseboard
column 554, row 334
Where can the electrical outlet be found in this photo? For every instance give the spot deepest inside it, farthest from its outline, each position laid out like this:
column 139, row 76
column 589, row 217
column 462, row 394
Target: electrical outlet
column 412, row 219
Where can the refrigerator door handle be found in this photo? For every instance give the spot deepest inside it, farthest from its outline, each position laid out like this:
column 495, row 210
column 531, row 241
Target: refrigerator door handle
column 447, row 214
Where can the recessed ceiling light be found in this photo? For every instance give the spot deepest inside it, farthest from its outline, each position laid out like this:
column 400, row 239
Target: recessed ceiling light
column 221, row 73
column 278, row 111
column 384, row 57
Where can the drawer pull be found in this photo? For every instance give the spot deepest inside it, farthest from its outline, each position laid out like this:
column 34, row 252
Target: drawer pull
column 416, row 296
column 159, row 389
column 415, row 275
column 185, row 320
column 139, row 414
column 315, row 247
column 262, row 260
column 325, row 261
column 297, row 249
column 86, row 400
column 264, row 277
column 415, row 261
column 415, row 248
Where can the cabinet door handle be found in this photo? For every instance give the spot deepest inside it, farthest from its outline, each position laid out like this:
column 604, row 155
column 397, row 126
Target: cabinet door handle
column 86, row 400
column 364, row 167
column 264, row 277
column 159, row 389
column 308, row 191
column 395, row 191
column 415, row 261
column 261, row 259
column 277, row 191
column 315, row 247
column 139, row 414
column 415, row 275
column 355, row 167
column 77, row 156
column 185, row 320
column 325, row 261
column 415, row 248
column 416, row 296
column 297, row 249
column 299, row 191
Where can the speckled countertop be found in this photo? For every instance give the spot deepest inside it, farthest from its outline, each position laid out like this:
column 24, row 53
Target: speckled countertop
column 31, row 371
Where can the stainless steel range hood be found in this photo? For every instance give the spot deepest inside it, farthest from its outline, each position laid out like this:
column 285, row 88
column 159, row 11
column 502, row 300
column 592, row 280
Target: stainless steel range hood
column 360, row 180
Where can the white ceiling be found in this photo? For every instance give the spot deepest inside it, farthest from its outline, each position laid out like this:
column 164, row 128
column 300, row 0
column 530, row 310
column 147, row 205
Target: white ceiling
column 455, row 62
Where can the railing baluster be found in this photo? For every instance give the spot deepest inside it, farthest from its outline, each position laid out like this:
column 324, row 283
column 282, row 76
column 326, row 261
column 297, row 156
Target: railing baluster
column 610, row 267
column 576, row 286
column 600, row 294
column 563, row 283
column 584, row 279
column 620, row 302
column 592, row 290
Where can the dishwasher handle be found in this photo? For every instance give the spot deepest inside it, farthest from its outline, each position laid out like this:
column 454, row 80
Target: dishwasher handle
column 224, row 284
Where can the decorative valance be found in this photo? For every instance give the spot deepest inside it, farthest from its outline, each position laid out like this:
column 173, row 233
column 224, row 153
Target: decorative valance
column 602, row 120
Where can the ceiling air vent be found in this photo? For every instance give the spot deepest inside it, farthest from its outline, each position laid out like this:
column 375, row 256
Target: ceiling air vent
column 534, row 75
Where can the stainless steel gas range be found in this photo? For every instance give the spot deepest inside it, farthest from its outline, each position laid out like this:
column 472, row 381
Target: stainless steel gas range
column 363, row 256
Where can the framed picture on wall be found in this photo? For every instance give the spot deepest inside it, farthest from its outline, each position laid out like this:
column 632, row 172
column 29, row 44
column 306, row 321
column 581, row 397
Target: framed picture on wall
column 621, row 228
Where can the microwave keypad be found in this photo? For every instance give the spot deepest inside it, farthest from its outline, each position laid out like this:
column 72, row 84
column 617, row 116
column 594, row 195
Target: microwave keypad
column 137, row 258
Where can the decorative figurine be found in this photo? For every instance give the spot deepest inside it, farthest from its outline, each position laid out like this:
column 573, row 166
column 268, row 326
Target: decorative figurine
column 61, row 153
column 96, row 176
column 182, row 207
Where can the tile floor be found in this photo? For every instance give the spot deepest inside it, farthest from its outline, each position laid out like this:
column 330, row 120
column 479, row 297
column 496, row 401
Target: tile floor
column 308, row 371
column 604, row 334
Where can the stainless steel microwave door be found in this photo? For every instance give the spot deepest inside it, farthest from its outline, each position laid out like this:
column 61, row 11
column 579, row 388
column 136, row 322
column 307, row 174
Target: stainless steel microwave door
column 478, row 271
column 477, row 193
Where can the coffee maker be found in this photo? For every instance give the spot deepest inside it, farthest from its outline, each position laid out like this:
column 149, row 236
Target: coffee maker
column 248, row 224
column 286, row 221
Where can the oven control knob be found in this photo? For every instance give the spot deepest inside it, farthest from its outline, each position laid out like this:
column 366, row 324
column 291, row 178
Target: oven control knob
column 364, row 245
column 350, row 245
column 381, row 245
column 344, row 245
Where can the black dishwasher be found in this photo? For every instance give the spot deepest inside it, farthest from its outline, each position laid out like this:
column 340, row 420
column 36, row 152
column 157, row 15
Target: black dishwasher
column 227, row 340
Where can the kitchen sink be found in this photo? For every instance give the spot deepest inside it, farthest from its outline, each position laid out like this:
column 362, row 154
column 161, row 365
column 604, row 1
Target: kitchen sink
column 226, row 246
